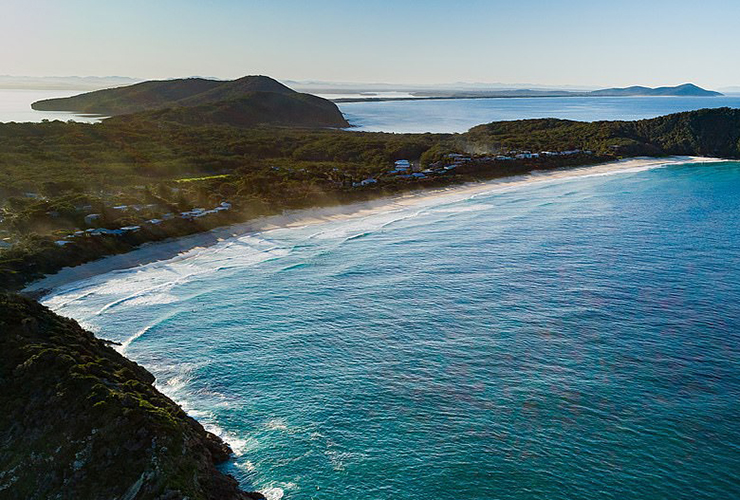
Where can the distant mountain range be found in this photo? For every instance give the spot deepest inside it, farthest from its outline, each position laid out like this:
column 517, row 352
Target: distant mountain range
column 64, row 82
column 685, row 90
column 246, row 102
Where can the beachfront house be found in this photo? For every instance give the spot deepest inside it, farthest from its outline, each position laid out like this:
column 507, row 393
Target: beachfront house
column 365, row 182
column 90, row 218
column 401, row 166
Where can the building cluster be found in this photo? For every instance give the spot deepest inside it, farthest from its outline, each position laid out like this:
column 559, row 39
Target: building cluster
column 189, row 215
column 404, row 169
column 527, row 155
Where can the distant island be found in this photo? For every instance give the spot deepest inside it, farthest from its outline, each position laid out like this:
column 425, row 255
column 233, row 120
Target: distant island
column 685, row 90
column 245, row 102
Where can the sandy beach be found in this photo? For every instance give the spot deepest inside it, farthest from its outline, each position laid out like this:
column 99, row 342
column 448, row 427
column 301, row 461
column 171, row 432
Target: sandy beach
column 179, row 247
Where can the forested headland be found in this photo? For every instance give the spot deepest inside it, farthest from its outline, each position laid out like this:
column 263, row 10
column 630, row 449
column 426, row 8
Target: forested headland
column 72, row 192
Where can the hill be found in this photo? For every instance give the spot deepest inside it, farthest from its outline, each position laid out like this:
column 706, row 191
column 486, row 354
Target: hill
column 706, row 132
column 686, row 90
column 236, row 89
column 245, row 102
column 187, row 92
column 252, row 109
column 130, row 99
column 81, row 421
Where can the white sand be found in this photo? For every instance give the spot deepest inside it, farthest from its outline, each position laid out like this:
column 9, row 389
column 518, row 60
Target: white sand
column 152, row 252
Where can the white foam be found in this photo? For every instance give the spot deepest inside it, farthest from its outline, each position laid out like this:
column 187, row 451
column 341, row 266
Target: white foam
column 276, row 424
column 274, row 493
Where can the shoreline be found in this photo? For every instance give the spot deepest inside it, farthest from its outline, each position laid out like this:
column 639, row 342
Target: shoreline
column 170, row 249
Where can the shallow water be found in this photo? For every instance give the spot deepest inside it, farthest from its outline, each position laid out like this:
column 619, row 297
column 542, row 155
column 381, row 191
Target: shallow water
column 573, row 339
column 458, row 115
column 15, row 106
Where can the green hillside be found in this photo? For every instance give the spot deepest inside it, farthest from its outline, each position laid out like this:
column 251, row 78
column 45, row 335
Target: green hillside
column 130, row 99
column 252, row 109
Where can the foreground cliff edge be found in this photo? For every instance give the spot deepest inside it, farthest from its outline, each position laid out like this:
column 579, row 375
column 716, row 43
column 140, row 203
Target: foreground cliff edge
column 80, row 421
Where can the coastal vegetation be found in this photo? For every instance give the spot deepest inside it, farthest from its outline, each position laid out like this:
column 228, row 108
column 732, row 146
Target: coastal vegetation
column 73, row 192
column 79, row 420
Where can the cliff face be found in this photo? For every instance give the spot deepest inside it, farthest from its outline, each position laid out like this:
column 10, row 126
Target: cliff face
column 80, row 421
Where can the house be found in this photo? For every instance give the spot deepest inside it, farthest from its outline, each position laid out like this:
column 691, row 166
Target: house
column 503, row 158
column 196, row 212
column 61, row 243
column 102, row 231
column 90, row 218
column 524, row 155
column 401, row 166
column 418, row 175
column 365, row 182
column 129, row 229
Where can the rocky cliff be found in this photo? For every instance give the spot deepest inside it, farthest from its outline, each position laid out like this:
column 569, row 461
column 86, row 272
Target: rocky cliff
column 80, row 421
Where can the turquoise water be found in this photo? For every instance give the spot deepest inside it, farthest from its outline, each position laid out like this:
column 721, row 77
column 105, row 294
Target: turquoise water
column 571, row 339
column 459, row 115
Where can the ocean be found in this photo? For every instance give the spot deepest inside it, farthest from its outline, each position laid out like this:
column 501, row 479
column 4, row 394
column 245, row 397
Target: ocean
column 574, row 338
column 459, row 115
column 15, row 106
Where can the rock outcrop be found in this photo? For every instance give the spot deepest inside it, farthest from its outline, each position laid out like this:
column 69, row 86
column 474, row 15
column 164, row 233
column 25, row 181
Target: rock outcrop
column 80, row 421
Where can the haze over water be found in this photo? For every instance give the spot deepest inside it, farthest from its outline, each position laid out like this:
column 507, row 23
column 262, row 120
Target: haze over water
column 573, row 339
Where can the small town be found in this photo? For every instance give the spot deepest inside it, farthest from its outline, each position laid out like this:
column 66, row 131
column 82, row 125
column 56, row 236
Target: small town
column 406, row 169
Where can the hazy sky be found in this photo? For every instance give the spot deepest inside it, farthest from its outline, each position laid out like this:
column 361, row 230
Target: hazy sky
column 555, row 42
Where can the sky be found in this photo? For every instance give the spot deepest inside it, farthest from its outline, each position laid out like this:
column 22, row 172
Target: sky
column 556, row 42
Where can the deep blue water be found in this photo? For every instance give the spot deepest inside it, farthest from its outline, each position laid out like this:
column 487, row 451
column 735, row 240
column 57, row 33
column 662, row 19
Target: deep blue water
column 458, row 115
column 573, row 339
